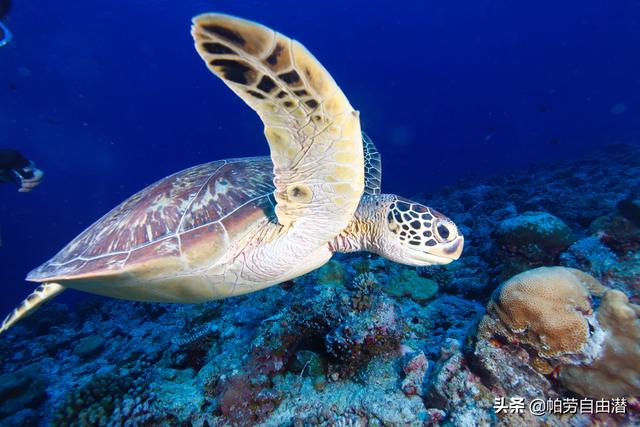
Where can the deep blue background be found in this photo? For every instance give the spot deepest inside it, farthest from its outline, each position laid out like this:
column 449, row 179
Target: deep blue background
column 108, row 96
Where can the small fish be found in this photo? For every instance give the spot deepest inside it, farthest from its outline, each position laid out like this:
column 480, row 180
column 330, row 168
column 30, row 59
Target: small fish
column 542, row 108
column 554, row 142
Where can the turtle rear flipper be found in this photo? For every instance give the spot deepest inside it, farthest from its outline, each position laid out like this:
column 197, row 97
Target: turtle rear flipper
column 42, row 294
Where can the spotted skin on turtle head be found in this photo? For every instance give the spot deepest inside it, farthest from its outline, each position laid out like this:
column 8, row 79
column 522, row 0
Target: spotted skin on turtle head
column 420, row 226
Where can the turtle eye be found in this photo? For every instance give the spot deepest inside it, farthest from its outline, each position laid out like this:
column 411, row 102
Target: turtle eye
column 445, row 232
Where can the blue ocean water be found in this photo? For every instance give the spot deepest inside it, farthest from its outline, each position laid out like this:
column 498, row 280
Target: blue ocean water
column 107, row 97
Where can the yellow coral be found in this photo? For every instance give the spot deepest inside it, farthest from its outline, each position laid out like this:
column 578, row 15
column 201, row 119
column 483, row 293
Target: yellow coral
column 616, row 372
column 545, row 308
column 550, row 310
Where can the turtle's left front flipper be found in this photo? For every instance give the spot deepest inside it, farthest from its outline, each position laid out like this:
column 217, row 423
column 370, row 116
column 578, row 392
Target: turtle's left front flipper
column 42, row 294
column 312, row 130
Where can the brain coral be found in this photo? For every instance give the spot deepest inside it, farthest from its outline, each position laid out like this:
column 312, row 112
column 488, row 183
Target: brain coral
column 546, row 308
column 616, row 372
column 549, row 309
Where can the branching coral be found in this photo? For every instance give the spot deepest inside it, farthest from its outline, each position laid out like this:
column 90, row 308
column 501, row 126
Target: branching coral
column 363, row 287
column 357, row 341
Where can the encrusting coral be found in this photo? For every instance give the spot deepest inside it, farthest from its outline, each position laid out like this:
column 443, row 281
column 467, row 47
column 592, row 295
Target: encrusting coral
column 531, row 239
column 537, row 236
column 616, row 372
column 617, row 232
column 332, row 274
column 408, row 283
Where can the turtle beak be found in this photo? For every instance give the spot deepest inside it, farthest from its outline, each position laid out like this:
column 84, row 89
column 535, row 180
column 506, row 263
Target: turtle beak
column 441, row 255
column 453, row 250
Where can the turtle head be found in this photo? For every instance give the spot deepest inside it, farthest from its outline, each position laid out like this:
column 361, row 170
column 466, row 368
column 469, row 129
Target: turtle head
column 417, row 235
column 402, row 231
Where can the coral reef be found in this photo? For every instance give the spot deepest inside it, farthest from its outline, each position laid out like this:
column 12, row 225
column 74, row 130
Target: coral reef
column 414, row 366
column 531, row 239
column 458, row 391
column 616, row 371
column 548, row 314
column 22, row 389
column 625, row 275
column 547, row 308
column 89, row 346
column 543, row 305
column 590, row 254
column 326, row 322
column 407, row 283
column 118, row 397
column 617, row 232
column 332, row 274
column 630, row 209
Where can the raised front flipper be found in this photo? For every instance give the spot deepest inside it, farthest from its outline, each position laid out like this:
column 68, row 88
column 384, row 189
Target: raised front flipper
column 312, row 130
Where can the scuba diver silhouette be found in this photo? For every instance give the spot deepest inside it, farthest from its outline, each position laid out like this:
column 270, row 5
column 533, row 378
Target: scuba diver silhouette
column 14, row 167
column 5, row 34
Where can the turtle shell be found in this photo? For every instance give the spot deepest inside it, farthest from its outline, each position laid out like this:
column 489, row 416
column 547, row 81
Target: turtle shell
column 207, row 206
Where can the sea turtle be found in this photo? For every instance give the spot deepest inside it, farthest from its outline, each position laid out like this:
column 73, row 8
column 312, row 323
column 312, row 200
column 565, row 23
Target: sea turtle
column 235, row 226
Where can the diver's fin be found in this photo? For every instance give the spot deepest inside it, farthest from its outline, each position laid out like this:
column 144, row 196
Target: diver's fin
column 42, row 294
column 5, row 35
